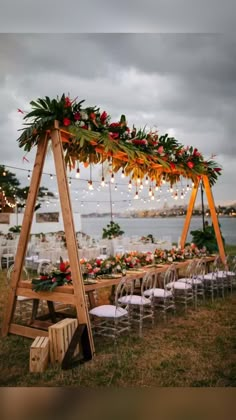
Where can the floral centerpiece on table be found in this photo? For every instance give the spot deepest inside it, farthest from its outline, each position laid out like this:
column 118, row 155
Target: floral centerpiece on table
column 52, row 277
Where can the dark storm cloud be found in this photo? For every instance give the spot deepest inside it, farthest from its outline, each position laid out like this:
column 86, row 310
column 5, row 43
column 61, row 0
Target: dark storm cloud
column 184, row 82
column 117, row 16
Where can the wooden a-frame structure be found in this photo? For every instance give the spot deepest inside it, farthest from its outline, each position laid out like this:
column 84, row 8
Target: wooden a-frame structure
column 214, row 217
column 72, row 295
column 75, row 294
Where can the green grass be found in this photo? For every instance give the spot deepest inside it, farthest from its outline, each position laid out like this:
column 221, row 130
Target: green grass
column 194, row 351
column 230, row 249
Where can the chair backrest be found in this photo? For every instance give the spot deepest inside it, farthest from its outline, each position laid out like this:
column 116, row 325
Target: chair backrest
column 124, row 290
column 201, row 268
column 148, row 283
column 170, row 276
column 24, row 274
column 191, row 269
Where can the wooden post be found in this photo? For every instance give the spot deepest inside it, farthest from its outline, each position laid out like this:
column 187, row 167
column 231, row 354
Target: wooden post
column 63, row 188
column 189, row 214
column 214, row 218
column 25, row 231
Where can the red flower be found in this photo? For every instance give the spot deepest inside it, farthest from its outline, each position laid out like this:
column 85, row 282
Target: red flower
column 115, row 124
column 217, row 169
column 20, row 110
column 43, row 277
column 114, row 135
column 98, row 262
column 66, row 122
column 77, row 116
column 85, row 127
column 139, row 141
column 160, row 149
column 62, row 267
column 68, row 277
column 103, row 117
column 190, row 164
column 172, row 165
column 93, row 116
column 67, row 102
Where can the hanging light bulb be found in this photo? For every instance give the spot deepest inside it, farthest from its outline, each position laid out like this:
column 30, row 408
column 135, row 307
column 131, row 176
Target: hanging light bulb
column 28, row 175
column 150, row 192
column 4, row 173
column 138, row 180
column 176, row 196
column 115, row 187
column 90, row 185
column 182, row 195
column 103, row 181
column 141, row 186
column 69, row 181
column 82, row 204
column 77, row 175
column 98, row 204
column 51, row 176
column 130, row 185
column 146, row 180
column 123, row 173
column 160, row 190
column 187, row 187
column 112, row 178
column 163, row 181
column 171, row 189
column 193, row 184
column 136, row 197
column 156, row 187
column 152, row 197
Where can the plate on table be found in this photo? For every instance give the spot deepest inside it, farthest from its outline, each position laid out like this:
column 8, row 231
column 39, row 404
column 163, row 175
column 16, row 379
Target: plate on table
column 109, row 276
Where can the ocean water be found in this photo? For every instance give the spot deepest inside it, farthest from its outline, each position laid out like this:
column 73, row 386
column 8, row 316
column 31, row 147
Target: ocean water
column 160, row 228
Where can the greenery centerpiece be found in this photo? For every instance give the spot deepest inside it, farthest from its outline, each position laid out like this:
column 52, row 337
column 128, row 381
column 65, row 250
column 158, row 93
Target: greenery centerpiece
column 112, row 231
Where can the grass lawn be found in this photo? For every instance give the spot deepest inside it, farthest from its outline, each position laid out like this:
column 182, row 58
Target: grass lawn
column 197, row 351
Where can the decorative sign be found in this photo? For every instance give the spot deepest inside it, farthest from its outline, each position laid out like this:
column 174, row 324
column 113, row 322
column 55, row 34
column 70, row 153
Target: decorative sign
column 47, row 217
column 5, row 218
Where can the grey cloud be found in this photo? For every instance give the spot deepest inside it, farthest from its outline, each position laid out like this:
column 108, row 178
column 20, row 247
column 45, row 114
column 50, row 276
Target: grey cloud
column 112, row 16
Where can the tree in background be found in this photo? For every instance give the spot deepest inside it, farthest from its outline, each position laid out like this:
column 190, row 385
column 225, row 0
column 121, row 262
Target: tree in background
column 11, row 192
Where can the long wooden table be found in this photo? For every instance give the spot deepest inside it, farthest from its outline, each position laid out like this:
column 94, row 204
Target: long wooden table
column 65, row 294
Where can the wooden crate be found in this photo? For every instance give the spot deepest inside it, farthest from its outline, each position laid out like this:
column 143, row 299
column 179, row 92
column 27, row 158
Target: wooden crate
column 60, row 335
column 39, row 354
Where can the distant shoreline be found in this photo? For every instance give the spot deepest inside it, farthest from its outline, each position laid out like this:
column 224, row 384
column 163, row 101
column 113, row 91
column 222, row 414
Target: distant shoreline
column 118, row 216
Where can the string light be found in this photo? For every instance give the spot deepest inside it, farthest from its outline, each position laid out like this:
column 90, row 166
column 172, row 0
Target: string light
column 112, row 178
column 136, row 197
column 51, row 176
column 28, row 175
column 103, row 181
column 77, row 175
column 4, row 173
column 182, row 195
column 176, row 196
column 115, row 187
column 146, row 180
column 90, row 185
column 150, row 191
column 130, row 185
column 123, row 173
column 187, row 187
column 69, row 182
column 157, row 187
column 141, row 186
column 138, row 180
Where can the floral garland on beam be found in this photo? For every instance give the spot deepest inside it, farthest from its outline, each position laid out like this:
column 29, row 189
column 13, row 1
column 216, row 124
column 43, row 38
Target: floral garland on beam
column 90, row 137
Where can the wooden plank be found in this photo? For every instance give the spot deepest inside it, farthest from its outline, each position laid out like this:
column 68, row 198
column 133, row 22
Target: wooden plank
column 39, row 355
column 214, row 218
column 49, row 296
column 60, row 336
column 27, row 284
column 67, row 214
column 189, row 214
column 26, row 331
column 25, row 231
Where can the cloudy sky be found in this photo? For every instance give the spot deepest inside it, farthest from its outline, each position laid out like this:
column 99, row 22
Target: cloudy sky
column 182, row 83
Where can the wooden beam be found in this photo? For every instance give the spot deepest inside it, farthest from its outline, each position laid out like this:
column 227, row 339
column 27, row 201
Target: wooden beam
column 189, row 214
column 26, row 331
column 25, row 231
column 214, row 218
column 67, row 214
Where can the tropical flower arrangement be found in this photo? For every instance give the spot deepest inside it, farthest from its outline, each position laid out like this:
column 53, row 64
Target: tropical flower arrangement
column 89, row 136
column 52, row 277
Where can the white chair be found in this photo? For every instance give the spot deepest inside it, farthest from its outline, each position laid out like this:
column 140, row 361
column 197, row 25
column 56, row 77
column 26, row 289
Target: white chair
column 163, row 297
column 214, row 280
column 183, row 292
column 113, row 320
column 195, row 271
column 140, row 306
